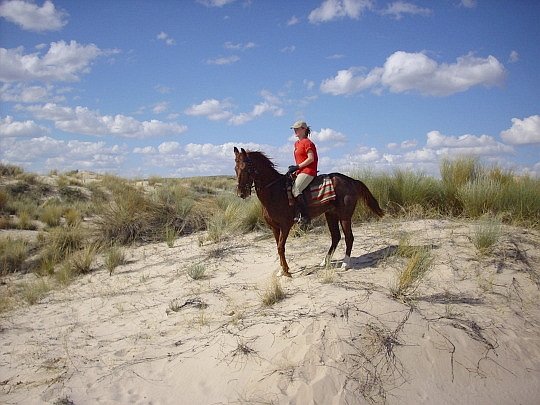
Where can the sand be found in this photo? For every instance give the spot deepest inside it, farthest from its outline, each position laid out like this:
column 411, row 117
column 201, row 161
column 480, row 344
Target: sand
column 149, row 334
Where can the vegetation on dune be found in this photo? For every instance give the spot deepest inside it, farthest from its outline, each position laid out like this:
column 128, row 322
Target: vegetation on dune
column 81, row 217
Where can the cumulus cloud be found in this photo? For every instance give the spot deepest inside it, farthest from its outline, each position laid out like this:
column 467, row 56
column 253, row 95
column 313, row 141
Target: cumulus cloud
column 169, row 147
column 523, row 132
column 31, row 17
column 45, row 153
column 85, row 121
column 416, row 72
column 11, row 128
column 399, row 8
column 465, row 144
column 214, row 109
column 62, row 62
column 329, row 135
column 22, row 93
column 331, row 10
column 349, row 81
column 217, row 110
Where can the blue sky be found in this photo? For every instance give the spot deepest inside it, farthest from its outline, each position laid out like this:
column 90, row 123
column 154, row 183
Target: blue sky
column 167, row 88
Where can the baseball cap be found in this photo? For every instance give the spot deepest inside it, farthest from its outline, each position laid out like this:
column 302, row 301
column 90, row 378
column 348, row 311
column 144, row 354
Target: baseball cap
column 299, row 124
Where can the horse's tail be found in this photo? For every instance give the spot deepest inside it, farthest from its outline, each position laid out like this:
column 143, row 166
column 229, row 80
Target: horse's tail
column 368, row 198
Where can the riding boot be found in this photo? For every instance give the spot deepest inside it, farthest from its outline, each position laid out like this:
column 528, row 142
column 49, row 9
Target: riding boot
column 302, row 216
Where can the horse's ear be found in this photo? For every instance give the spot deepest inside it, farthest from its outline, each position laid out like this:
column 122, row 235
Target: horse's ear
column 236, row 152
column 243, row 152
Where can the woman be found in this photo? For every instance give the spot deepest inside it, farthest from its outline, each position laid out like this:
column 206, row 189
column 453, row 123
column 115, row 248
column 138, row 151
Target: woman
column 305, row 156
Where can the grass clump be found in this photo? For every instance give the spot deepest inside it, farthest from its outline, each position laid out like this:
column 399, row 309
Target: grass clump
column 114, row 257
column 51, row 215
column 196, row 271
column 485, row 235
column 418, row 264
column 13, row 253
column 33, row 291
column 273, row 292
column 59, row 243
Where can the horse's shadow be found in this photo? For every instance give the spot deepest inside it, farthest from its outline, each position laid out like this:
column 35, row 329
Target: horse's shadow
column 372, row 258
column 360, row 262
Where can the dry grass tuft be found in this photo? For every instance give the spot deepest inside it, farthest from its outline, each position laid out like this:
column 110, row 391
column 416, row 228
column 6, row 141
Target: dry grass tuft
column 273, row 293
column 485, row 235
column 409, row 278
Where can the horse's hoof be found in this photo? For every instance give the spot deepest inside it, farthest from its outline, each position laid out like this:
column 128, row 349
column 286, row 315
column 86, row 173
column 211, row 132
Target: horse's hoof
column 346, row 264
column 287, row 274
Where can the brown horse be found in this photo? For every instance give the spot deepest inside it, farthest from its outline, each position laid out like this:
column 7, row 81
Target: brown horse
column 255, row 169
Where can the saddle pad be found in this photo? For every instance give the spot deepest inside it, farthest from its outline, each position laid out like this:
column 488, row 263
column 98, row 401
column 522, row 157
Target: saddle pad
column 322, row 192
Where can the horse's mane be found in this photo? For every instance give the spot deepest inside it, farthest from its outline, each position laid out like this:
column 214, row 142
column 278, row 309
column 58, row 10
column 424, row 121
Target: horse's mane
column 261, row 158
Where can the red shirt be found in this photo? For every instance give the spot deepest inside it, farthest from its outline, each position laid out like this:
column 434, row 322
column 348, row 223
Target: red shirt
column 301, row 148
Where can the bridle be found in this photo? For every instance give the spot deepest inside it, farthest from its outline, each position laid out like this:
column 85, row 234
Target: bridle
column 253, row 173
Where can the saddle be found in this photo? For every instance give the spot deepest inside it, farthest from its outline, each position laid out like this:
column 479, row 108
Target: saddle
column 319, row 192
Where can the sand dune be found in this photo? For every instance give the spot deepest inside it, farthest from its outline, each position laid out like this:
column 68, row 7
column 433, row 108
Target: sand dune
column 149, row 334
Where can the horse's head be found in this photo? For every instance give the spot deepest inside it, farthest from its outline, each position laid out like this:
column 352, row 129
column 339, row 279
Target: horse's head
column 244, row 173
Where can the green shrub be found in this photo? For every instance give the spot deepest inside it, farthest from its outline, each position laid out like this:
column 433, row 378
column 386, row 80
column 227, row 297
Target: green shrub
column 454, row 174
column 51, row 215
column 10, row 170
column 196, row 271
column 114, row 257
column 60, row 242
column 13, row 253
column 485, row 234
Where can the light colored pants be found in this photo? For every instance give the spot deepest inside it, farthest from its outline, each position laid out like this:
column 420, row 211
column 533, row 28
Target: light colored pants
column 301, row 182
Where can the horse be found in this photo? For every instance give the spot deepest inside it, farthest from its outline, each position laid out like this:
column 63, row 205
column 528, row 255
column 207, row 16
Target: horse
column 255, row 170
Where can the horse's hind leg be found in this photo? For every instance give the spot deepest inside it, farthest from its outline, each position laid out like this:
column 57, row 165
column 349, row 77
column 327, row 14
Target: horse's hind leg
column 333, row 227
column 349, row 240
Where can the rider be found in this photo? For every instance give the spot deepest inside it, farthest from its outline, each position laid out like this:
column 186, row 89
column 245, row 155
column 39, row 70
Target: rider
column 305, row 156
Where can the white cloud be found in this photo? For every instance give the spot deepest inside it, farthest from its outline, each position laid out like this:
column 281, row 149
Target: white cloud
column 11, row 128
column 162, row 36
column 169, row 147
column 238, row 47
column 219, row 110
column 331, row 10
column 21, row 93
column 62, row 62
column 468, row 3
column 399, row 8
column 347, row 82
column 514, row 57
column 31, row 17
column 215, row 3
column 225, row 60
column 85, row 121
column 213, row 109
column 329, row 135
column 293, row 21
column 146, row 150
column 45, row 153
column 258, row 110
column 465, row 144
column 416, row 72
column 523, row 132
column 288, row 49
column 160, row 107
